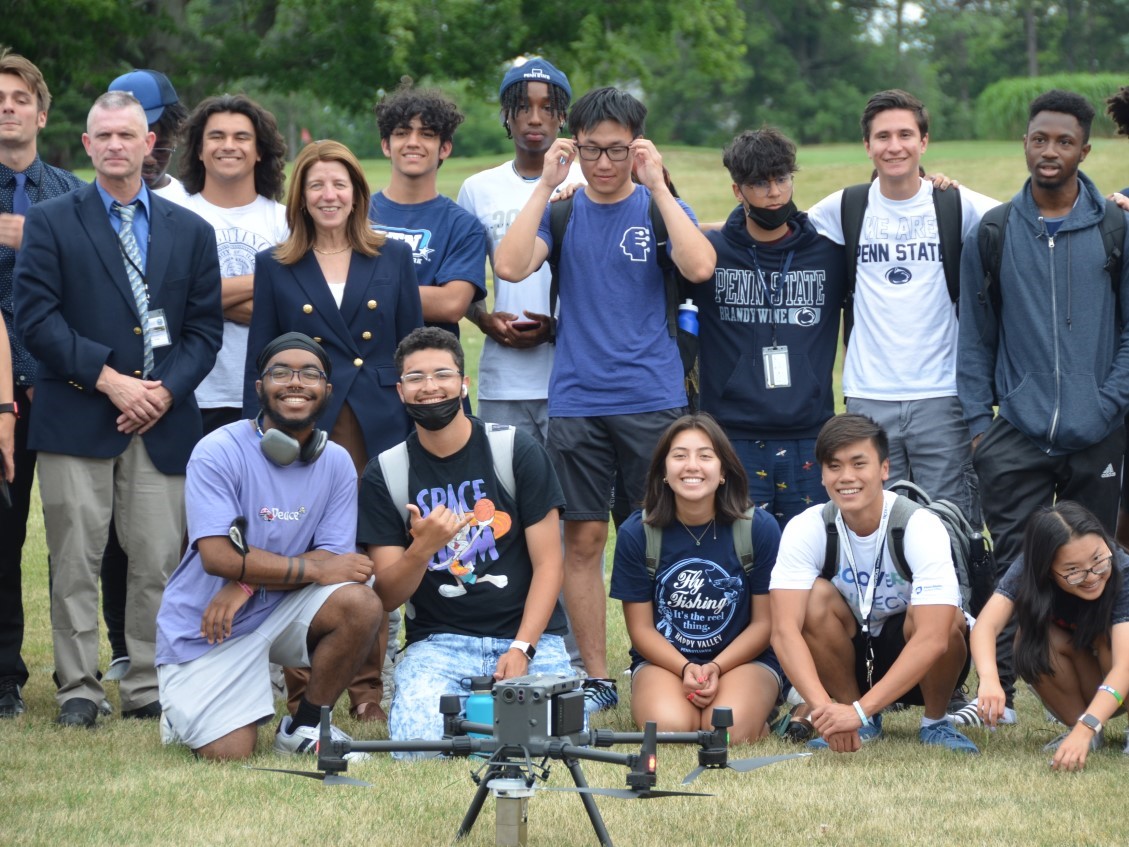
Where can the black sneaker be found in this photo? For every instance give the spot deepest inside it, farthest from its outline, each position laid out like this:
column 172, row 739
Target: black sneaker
column 11, row 700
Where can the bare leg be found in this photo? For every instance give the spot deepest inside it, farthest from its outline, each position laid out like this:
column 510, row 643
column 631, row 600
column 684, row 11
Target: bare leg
column 940, row 681
column 1076, row 675
column 341, row 637
column 752, row 691
column 239, row 744
column 584, row 591
column 829, row 627
column 657, row 695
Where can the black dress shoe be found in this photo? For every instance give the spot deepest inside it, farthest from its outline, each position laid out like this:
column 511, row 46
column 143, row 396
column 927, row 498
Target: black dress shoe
column 150, row 711
column 78, row 711
column 11, row 701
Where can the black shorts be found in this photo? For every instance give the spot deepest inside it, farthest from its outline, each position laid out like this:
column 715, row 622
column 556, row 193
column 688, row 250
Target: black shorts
column 888, row 645
column 586, row 453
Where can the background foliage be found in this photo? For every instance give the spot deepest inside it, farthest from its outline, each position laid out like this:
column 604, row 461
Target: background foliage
column 706, row 69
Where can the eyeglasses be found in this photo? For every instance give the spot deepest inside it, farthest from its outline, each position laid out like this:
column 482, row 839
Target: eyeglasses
column 764, row 186
column 162, row 152
column 282, row 375
column 591, row 153
column 1080, row 575
column 415, row 379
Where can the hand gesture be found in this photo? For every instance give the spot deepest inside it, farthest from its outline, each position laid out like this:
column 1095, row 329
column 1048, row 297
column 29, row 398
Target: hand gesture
column 647, row 164
column 558, row 160
column 437, row 530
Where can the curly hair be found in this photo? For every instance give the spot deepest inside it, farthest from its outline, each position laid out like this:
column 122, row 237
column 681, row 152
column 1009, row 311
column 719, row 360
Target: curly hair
column 765, row 153
column 516, row 97
column 434, row 109
column 1067, row 102
column 1117, row 107
column 428, row 338
column 270, row 170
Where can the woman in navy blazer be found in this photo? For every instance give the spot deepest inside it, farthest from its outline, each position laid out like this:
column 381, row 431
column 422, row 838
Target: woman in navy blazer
column 346, row 286
column 355, row 293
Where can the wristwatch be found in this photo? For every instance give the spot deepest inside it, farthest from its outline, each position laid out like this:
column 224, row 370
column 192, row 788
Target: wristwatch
column 525, row 647
column 1090, row 722
column 11, row 408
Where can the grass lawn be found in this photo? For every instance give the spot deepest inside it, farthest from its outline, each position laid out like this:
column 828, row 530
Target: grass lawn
column 117, row 785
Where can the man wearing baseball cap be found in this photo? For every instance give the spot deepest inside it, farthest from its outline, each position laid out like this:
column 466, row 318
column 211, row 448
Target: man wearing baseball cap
column 165, row 114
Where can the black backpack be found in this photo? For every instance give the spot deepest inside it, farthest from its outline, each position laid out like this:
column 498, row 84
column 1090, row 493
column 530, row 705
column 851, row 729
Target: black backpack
column 990, row 240
column 675, row 285
column 972, row 553
column 949, row 213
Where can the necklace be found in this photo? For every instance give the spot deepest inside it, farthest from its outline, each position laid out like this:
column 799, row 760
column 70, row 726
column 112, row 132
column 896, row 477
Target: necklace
column 522, row 176
column 332, row 252
column 698, row 538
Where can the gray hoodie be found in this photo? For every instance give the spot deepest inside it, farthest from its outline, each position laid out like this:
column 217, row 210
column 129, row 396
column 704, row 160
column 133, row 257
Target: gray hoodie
column 1057, row 358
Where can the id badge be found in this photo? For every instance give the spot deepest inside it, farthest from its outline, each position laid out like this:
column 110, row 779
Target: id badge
column 776, row 371
column 158, row 329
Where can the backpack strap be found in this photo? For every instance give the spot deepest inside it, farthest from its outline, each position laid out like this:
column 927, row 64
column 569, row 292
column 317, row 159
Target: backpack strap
column 990, row 242
column 852, row 209
column 1113, row 237
column 900, row 514
column 949, row 211
column 653, row 536
column 394, row 468
column 671, row 276
column 559, row 214
column 743, row 540
column 831, row 557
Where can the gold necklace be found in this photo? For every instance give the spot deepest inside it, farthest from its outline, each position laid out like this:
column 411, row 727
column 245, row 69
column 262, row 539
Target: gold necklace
column 332, row 252
column 698, row 538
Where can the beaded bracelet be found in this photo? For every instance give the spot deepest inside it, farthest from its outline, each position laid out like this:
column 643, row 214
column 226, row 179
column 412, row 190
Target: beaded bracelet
column 1109, row 689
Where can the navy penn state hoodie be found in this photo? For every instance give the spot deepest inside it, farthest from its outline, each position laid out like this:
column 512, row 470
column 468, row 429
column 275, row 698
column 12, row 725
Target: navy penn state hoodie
column 786, row 293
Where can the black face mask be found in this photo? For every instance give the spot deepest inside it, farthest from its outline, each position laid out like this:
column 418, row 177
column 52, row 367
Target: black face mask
column 771, row 219
column 434, row 416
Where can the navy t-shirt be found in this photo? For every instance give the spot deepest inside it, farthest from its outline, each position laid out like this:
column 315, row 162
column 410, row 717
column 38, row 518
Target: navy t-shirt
column 701, row 596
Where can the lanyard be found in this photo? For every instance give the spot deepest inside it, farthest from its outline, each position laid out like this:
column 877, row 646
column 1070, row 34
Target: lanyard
column 865, row 597
column 770, row 293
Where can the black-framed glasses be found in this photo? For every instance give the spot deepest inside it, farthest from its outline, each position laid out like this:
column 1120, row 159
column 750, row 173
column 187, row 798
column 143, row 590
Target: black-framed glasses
column 282, row 375
column 440, row 377
column 591, row 152
column 1080, row 575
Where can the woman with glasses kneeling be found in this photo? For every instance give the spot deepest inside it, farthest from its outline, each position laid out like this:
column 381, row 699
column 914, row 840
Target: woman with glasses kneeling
column 1070, row 597
column 695, row 594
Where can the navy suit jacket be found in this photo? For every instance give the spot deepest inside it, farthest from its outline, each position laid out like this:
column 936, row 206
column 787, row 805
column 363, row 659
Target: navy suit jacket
column 75, row 312
column 379, row 307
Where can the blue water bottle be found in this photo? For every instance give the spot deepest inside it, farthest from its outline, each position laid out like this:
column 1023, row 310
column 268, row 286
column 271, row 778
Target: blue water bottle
column 688, row 317
column 480, row 703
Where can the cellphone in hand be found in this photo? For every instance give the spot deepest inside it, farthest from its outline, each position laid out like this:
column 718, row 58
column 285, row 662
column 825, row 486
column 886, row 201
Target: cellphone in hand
column 525, row 326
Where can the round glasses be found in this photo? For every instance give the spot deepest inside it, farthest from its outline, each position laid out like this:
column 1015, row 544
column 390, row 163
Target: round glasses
column 764, row 186
column 1080, row 575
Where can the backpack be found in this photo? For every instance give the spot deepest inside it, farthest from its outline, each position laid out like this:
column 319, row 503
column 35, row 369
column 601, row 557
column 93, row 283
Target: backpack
column 971, row 551
column 852, row 210
column 742, row 542
column 990, row 240
column 674, row 284
column 394, row 465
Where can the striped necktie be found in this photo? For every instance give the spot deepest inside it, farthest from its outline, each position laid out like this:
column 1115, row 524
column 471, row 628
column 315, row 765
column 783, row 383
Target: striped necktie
column 132, row 255
column 20, row 201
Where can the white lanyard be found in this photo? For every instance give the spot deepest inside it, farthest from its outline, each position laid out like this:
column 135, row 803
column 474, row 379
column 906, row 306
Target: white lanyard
column 865, row 597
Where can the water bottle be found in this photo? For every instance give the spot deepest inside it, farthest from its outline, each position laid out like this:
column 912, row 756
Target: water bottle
column 480, row 703
column 688, row 317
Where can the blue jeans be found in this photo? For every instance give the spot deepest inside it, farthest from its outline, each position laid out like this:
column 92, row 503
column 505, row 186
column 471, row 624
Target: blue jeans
column 784, row 477
column 439, row 664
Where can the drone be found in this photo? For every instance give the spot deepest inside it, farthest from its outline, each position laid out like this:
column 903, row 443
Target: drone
column 538, row 718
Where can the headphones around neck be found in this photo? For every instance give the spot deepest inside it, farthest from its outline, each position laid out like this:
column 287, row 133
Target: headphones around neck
column 284, row 450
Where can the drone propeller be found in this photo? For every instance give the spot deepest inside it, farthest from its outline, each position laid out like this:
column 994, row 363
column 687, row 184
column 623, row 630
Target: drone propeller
column 327, row 778
column 742, row 765
column 625, row 793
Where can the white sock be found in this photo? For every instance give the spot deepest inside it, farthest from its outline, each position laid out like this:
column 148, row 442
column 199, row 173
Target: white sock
column 932, row 721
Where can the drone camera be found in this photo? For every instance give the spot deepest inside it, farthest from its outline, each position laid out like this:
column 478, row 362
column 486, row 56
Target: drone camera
column 537, row 707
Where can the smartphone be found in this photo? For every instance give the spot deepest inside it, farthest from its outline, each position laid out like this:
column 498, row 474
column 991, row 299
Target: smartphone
column 5, row 494
column 526, row 326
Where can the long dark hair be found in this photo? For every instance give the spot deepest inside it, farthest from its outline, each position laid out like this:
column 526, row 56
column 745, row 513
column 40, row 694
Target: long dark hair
column 1048, row 530
column 731, row 500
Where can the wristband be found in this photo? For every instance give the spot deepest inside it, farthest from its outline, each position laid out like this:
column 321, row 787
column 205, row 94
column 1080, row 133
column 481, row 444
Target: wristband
column 682, row 672
column 248, row 590
column 10, row 408
column 716, row 665
column 1109, row 689
column 862, row 715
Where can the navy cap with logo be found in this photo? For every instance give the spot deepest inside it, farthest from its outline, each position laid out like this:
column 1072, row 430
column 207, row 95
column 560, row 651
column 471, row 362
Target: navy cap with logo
column 536, row 69
column 151, row 88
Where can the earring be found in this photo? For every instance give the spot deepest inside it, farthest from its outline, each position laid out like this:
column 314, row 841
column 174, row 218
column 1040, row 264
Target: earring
column 722, row 481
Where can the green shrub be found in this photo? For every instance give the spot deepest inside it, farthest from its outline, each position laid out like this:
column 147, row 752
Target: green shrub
column 1001, row 108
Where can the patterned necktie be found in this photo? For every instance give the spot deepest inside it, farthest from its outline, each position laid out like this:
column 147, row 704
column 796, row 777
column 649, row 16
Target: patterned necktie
column 20, row 201
column 136, row 282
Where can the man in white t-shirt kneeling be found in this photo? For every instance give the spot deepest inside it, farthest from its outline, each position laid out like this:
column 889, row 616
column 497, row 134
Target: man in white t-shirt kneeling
column 866, row 638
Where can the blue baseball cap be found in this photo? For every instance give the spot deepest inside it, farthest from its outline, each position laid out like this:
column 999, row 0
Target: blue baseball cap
column 151, row 88
column 535, row 69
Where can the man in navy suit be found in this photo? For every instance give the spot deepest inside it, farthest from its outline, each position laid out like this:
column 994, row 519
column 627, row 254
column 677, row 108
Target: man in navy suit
column 117, row 296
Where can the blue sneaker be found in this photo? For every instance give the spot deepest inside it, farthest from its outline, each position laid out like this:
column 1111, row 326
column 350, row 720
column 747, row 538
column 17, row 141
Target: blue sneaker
column 599, row 694
column 866, row 733
column 944, row 734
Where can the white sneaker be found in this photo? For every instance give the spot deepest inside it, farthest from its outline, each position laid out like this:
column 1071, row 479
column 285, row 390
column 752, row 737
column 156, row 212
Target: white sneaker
column 168, row 734
column 291, row 740
column 969, row 716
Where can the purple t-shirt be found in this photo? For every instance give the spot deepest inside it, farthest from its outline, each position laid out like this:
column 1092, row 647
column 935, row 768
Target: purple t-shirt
column 290, row 511
column 615, row 355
